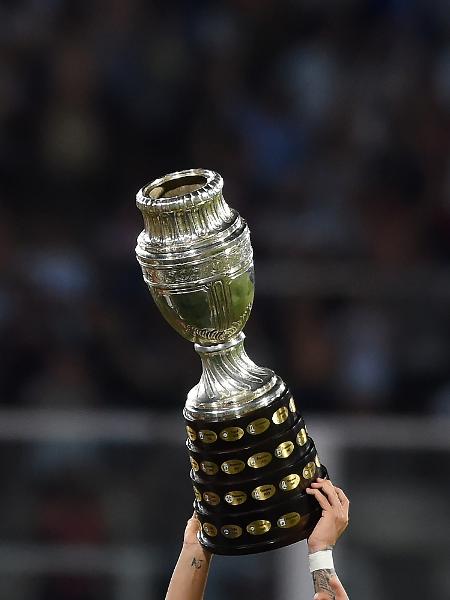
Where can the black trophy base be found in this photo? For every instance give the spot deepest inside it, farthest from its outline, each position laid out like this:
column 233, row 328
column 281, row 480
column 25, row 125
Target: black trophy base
column 249, row 477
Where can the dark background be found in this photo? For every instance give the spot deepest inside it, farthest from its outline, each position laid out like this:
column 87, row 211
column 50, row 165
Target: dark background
column 329, row 122
column 330, row 127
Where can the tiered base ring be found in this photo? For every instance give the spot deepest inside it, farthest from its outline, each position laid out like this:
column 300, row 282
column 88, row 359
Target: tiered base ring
column 249, row 477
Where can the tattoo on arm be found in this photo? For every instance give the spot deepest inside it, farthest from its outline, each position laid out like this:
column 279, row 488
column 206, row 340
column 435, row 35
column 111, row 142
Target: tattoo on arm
column 197, row 563
column 321, row 580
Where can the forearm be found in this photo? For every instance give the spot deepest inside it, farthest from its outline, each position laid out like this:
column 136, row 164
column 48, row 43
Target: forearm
column 321, row 576
column 326, row 583
column 321, row 582
column 333, row 521
column 191, row 572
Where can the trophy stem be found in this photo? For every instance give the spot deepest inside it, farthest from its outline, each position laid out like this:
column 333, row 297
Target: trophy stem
column 231, row 383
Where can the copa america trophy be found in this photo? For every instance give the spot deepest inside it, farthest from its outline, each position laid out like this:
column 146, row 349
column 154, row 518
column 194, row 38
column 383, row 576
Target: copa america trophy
column 251, row 456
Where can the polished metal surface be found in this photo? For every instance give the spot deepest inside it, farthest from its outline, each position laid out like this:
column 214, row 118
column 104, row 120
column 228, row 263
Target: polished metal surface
column 196, row 256
column 197, row 261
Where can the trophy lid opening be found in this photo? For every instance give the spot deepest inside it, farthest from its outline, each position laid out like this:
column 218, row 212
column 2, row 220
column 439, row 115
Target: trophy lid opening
column 179, row 186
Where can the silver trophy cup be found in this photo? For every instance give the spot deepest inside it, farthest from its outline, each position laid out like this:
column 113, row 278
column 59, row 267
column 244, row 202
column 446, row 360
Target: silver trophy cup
column 250, row 453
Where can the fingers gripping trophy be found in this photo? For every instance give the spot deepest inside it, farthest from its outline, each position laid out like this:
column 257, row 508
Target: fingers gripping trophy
column 250, row 452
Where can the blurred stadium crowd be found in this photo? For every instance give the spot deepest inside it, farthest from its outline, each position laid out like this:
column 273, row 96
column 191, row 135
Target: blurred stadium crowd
column 329, row 122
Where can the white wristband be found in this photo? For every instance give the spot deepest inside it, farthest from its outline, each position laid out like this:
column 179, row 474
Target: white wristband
column 321, row 560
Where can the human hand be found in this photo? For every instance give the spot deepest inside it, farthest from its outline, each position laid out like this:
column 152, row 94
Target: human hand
column 334, row 519
column 191, row 540
column 193, row 527
column 338, row 590
column 191, row 571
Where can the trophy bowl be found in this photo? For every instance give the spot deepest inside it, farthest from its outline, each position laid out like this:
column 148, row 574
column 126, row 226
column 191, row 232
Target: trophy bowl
column 250, row 453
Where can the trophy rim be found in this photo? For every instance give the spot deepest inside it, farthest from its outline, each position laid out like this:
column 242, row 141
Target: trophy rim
column 212, row 186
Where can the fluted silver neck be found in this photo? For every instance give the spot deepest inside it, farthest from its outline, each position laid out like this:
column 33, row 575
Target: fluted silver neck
column 186, row 207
